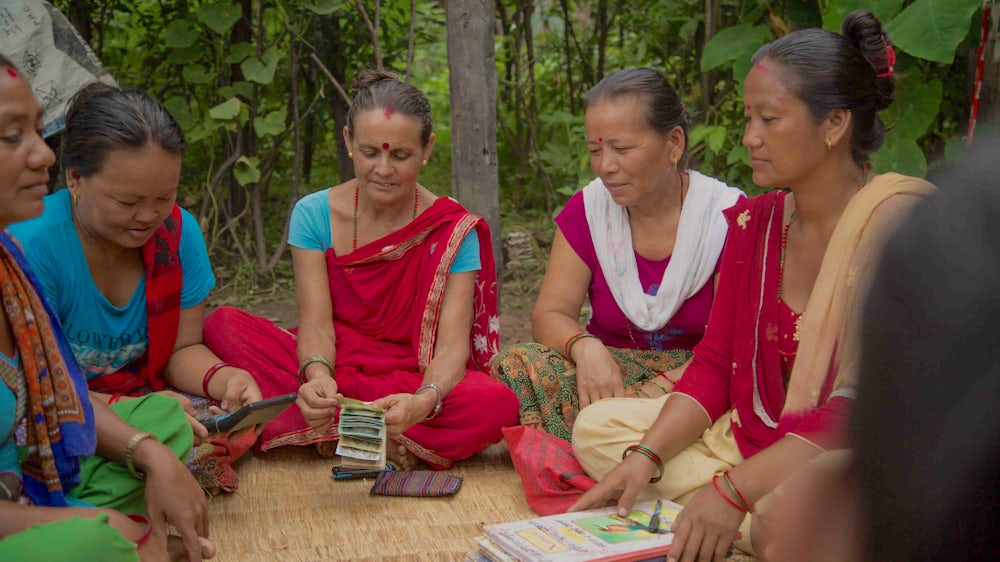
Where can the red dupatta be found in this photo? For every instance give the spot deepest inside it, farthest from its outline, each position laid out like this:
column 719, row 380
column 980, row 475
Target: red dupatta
column 825, row 368
column 387, row 294
column 757, row 391
column 164, row 279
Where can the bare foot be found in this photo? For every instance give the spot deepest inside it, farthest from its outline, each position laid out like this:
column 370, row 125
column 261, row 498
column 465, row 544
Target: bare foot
column 403, row 459
column 326, row 449
column 175, row 547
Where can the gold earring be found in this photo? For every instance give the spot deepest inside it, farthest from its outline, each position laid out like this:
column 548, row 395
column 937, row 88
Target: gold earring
column 425, row 162
column 829, row 145
column 350, row 154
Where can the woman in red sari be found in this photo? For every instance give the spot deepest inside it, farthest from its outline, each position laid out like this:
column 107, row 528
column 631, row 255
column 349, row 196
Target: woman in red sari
column 395, row 305
column 772, row 382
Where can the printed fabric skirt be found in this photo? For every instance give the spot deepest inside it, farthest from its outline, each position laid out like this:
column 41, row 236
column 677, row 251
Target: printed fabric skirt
column 545, row 380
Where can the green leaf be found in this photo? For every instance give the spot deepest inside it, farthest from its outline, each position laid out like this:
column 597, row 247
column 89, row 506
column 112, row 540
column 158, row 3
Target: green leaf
column 836, row 10
column 181, row 110
column 932, row 29
column 197, row 74
column 716, row 138
column 226, row 110
column 321, row 7
column 697, row 133
column 271, row 124
column 900, row 155
column 739, row 153
column 238, row 52
column 246, row 171
column 732, row 43
column 179, row 34
column 219, row 17
column 915, row 108
column 185, row 55
column 242, row 89
column 261, row 71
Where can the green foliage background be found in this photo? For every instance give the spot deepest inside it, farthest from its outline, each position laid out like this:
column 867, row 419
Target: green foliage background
column 225, row 70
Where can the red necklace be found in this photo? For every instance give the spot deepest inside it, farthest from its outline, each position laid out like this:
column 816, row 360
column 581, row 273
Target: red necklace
column 784, row 242
column 357, row 192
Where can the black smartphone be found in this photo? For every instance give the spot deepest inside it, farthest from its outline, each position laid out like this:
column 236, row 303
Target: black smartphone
column 251, row 414
column 341, row 473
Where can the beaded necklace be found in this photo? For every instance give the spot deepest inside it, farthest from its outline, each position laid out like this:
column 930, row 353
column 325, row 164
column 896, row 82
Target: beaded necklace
column 357, row 192
column 781, row 266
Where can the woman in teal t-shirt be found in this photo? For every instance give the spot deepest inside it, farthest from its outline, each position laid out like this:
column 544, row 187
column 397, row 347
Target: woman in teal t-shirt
column 48, row 498
column 126, row 269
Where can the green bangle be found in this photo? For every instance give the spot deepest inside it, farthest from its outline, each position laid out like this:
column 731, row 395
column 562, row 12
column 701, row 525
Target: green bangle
column 743, row 501
column 649, row 454
column 309, row 361
column 653, row 382
column 573, row 341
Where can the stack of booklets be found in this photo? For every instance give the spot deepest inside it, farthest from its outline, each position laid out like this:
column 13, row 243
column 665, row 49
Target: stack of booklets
column 596, row 534
column 362, row 435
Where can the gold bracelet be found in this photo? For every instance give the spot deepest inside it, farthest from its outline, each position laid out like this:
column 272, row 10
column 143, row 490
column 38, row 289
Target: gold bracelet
column 133, row 444
column 309, row 361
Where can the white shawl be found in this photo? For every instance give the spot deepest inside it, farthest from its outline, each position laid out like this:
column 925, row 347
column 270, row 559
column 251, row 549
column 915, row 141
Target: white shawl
column 700, row 237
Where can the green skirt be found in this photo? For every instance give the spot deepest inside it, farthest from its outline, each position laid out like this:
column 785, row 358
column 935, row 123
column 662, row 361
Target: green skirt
column 545, row 380
column 108, row 484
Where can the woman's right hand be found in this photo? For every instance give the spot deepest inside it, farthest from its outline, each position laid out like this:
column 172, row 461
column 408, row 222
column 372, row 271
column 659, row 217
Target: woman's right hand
column 200, row 432
column 623, row 484
column 598, row 375
column 318, row 400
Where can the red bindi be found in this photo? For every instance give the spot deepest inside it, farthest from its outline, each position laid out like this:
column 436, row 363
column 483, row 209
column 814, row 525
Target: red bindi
column 388, row 112
column 385, row 146
column 748, row 108
column 600, row 139
column 11, row 72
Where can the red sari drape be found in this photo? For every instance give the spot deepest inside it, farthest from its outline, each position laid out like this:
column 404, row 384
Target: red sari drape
column 164, row 280
column 386, row 299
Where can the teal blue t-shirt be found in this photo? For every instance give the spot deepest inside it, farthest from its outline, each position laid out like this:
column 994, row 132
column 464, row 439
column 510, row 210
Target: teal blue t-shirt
column 103, row 336
column 310, row 230
column 8, row 406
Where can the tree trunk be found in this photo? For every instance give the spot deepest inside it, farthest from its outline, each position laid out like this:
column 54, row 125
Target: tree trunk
column 712, row 9
column 79, row 14
column 473, row 86
column 242, row 32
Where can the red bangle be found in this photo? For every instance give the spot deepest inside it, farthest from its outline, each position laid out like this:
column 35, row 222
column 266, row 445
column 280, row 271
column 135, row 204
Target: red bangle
column 715, row 482
column 114, row 398
column 732, row 485
column 142, row 520
column 209, row 374
column 649, row 454
column 568, row 348
column 569, row 343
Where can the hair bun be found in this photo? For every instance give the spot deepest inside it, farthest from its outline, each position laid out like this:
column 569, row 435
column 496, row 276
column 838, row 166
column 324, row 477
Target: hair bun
column 866, row 33
column 370, row 77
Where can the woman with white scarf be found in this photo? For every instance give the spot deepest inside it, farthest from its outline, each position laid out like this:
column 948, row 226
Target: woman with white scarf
column 642, row 241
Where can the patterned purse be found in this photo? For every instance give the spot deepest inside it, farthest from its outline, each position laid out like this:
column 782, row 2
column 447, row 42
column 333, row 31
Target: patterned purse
column 416, row 483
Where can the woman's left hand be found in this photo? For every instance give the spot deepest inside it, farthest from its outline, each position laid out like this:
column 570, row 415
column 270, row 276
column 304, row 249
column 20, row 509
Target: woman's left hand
column 241, row 389
column 405, row 410
column 705, row 528
column 172, row 496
